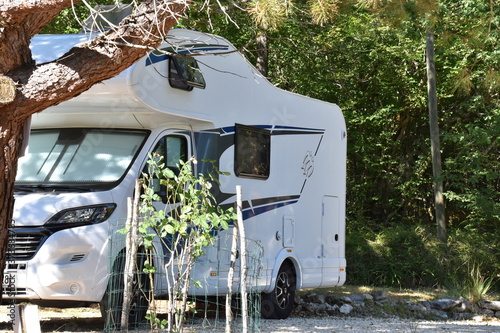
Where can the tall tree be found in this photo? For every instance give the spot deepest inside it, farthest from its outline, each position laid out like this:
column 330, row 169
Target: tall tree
column 435, row 140
column 269, row 15
column 396, row 12
column 29, row 88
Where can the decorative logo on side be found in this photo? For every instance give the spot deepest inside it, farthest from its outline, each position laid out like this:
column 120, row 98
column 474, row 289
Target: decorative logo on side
column 308, row 164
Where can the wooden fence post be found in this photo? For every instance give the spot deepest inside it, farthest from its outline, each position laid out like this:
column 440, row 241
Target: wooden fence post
column 130, row 253
column 243, row 261
column 26, row 319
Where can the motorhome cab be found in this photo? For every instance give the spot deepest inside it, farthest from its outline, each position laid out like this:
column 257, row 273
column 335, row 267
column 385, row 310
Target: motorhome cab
column 288, row 152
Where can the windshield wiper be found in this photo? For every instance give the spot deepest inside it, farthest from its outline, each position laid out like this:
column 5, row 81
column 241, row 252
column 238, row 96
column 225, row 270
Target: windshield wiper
column 24, row 188
column 51, row 188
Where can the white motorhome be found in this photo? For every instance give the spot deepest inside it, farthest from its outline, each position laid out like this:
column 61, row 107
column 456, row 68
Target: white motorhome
column 85, row 154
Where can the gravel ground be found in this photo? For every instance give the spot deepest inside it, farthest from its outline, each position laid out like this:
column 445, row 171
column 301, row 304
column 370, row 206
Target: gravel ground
column 330, row 325
column 291, row 325
column 360, row 325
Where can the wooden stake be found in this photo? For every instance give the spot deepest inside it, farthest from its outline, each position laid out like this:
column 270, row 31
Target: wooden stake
column 230, row 274
column 26, row 319
column 131, row 253
column 243, row 260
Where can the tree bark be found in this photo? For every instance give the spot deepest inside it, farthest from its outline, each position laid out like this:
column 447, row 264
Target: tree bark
column 262, row 62
column 45, row 85
column 21, row 20
column 11, row 131
column 435, row 142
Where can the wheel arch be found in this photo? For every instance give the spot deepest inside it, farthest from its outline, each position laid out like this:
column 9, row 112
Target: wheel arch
column 285, row 256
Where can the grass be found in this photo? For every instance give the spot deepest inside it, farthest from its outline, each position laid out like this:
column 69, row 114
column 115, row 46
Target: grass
column 412, row 295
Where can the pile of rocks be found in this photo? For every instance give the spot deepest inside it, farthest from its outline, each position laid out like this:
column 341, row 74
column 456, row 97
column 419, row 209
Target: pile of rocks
column 379, row 304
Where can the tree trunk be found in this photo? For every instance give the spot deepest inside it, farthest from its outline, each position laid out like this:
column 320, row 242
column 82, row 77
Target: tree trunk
column 11, row 131
column 262, row 62
column 435, row 143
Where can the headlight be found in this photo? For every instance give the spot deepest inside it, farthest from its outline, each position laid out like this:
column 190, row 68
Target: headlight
column 89, row 214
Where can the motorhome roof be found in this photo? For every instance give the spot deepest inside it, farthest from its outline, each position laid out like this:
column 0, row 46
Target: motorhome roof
column 112, row 101
column 45, row 48
column 144, row 96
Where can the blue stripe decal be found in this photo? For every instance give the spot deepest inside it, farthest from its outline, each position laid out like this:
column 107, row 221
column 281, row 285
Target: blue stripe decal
column 230, row 129
column 155, row 56
column 248, row 213
column 298, row 128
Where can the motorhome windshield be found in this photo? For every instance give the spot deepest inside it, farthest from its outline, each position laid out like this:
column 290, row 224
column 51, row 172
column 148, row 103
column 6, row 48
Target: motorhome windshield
column 78, row 156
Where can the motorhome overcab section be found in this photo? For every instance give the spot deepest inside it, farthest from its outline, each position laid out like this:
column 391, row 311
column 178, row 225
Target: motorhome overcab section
column 288, row 152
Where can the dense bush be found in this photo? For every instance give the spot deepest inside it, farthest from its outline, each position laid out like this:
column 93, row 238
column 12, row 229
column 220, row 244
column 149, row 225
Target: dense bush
column 412, row 257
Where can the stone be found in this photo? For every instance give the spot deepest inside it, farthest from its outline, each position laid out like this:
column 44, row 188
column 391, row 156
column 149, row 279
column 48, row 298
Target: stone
column 379, row 295
column 445, row 304
column 358, row 305
column 427, row 305
column 346, row 309
column 346, row 299
column 386, row 302
column 315, row 298
column 417, row 307
column 368, row 297
column 461, row 308
column 465, row 304
column 497, row 314
column 486, row 312
column 331, row 309
column 463, row 316
column 494, row 305
column 331, row 299
column 439, row 314
column 357, row 298
column 314, row 308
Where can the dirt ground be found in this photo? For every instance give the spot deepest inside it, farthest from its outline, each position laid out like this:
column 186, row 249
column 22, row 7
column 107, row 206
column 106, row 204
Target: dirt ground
column 89, row 320
column 86, row 319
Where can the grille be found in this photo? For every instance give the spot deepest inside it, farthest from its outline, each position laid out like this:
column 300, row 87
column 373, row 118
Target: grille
column 24, row 246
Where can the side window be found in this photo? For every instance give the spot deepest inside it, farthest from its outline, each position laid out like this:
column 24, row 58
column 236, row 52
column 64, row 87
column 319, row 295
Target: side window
column 185, row 74
column 252, row 152
column 173, row 148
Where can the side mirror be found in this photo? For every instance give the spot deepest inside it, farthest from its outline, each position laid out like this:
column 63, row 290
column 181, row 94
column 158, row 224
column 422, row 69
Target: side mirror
column 156, row 185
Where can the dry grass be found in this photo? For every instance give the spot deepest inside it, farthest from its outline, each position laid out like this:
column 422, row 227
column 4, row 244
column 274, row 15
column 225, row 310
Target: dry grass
column 412, row 295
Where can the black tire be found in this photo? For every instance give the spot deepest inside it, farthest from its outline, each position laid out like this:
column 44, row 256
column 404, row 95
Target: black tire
column 112, row 301
column 280, row 302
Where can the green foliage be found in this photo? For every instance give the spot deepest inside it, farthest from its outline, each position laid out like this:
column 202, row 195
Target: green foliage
column 69, row 21
column 412, row 257
column 404, row 257
column 185, row 226
column 477, row 285
column 190, row 214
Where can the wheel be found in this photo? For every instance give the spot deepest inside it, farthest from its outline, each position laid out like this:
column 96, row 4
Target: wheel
column 280, row 302
column 112, row 301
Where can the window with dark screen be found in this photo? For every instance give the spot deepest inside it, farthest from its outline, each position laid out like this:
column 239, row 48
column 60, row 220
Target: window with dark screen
column 252, row 156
